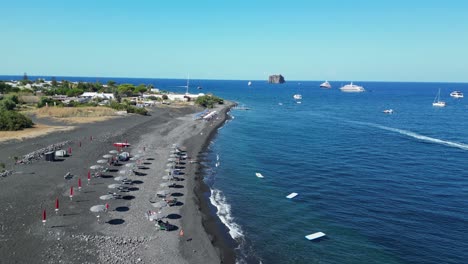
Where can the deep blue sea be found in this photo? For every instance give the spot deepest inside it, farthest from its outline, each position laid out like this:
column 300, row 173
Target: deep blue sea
column 384, row 188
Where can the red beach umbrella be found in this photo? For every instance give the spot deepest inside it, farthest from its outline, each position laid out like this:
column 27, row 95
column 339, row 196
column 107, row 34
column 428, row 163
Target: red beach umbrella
column 56, row 205
column 126, row 141
column 89, row 176
column 71, row 192
column 44, row 216
column 79, row 184
column 107, row 206
column 69, row 150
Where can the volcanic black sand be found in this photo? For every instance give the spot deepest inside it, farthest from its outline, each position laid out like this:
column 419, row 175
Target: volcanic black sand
column 123, row 234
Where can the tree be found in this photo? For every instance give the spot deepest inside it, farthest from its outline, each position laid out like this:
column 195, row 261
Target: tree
column 54, row 82
column 7, row 105
column 111, row 83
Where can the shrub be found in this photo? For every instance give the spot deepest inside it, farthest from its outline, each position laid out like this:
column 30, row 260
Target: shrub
column 209, row 101
column 11, row 120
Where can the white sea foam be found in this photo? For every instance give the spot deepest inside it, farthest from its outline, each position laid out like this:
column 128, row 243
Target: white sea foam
column 417, row 136
column 217, row 157
column 218, row 199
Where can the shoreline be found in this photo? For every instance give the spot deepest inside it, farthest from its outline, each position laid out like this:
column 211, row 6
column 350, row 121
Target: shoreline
column 210, row 222
column 73, row 235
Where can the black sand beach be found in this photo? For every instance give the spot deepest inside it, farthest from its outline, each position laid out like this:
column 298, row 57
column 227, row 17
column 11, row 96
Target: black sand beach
column 123, row 234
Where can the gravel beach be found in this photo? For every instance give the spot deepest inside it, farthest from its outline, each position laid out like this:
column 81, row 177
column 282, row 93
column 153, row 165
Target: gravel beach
column 123, row 234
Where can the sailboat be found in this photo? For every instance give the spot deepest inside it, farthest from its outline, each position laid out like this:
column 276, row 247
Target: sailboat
column 437, row 102
column 249, row 83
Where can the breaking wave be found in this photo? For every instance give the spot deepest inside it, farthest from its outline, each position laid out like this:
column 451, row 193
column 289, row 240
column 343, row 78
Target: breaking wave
column 218, row 199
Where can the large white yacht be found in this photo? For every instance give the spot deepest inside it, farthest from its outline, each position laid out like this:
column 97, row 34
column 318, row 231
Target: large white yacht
column 352, row 88
column 456, row 94
column 326, row 84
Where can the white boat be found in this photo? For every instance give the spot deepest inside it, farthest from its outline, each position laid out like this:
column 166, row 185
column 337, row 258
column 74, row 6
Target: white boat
column 352, row 88
column 315, row 235
column 456, row 94
column 326, row 84
column 259, row 175
column 249, row 83
column 388, row 111
column 297, row 96
column 291, row 195
column 437, row 102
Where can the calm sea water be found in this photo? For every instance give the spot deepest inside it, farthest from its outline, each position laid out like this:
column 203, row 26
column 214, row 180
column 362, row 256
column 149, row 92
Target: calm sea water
column 384, row 188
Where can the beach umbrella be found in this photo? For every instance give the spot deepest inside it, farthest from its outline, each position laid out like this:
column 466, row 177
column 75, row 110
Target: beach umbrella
column 120, row 178
column 98, row 208
column 159, row 204
column 89, row 176
column 114, row 186
column 79, row 184
column 163, row 192
column 106, row 197
column 71, row 192
column 113, row 151
column 97, row 167
column 56, row 205
column 107, row 156
column 102, row 161
column 44, row 216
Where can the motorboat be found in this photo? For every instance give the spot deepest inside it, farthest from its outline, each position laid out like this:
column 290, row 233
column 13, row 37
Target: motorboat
column 437, row 102
column 388, row 111
column 326, row 84
column 249, row 83
column 352, row 88
column 456, row 94
column 297, row 96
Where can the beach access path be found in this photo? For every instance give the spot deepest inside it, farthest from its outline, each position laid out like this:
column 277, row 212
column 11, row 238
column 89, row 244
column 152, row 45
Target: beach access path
column 123, row 234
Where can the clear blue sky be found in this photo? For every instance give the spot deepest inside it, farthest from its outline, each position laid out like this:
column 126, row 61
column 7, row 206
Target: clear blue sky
column 303, row 40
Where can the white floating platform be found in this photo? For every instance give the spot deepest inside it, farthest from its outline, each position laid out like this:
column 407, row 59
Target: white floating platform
column 258, row 174
column 315, row 236
column 292, row 195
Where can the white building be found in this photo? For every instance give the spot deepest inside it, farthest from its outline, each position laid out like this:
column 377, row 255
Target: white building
column 92, row 95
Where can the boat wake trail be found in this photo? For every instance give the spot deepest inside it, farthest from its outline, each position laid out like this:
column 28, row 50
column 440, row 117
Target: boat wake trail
column 218, row 199
column 416, row 135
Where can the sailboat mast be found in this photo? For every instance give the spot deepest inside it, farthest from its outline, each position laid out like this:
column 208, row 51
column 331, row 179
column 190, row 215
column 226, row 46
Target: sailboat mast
column 188, row 81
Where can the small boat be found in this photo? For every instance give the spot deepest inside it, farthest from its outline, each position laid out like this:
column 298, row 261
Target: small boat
column 352, row 88
column 326, row 84
column 437, row 102
column 315, row 235
column 298, row 102
column 291, row 195
column 259, row 175
column 456, row 94
column 297, row 96
column 249, row 83
column 388, row 111
column 199, row 88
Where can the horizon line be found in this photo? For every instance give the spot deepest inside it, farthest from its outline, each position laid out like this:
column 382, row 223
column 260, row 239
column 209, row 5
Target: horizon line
column 218, row 79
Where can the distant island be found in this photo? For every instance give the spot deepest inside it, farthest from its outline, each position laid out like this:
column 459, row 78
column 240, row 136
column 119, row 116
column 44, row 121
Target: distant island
column 277, row 78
